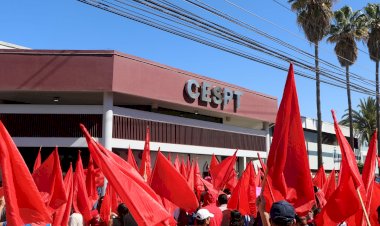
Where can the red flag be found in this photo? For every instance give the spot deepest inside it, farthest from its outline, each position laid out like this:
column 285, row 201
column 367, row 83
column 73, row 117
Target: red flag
column 105, row 209
column 24, row 203
column 81, row 201
column 330, row 185
column 177, row 164
column 344, row 202
column 182, row 169
column 91, row 182
column 288, row 163
column 141, row 200
column 319, row 179
column 131, row 159
column 190, row 177
column 198, row 185
column 232, row 181
column 214, row 162
column 369, row 168
column 145, row 166
column 168, row 183
column 375, row 203
column 48, row 178
column 37, row 163
column 244, row 195
column 62, row 215
column 222, row 172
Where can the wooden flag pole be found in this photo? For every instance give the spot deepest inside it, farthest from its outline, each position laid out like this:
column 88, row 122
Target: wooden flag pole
column 263, row 185
column 364, row 209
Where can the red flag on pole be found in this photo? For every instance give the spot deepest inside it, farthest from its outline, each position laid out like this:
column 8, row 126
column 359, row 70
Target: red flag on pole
column 48, row 178
column 198, row 185
column 244, row 195
column 24, row 203
column 61, row 216
column 37, row 162
column 222, row 172
column 263, row 166
column 145, row 166
column 91, row 182
column 105, row 209
column 168, row 183
column 190, row 177
column 140, row 199
column 232, row 181
column 177, row 164
column 81, row 201
column 375, row 203
column 330, row 185
column 214, row 162
column 182, row 169
column 344, row 202
column 320, row 179
column 131, row 159
column 288, row 163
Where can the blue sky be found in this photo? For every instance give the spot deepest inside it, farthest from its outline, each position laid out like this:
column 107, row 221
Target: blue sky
column 70, row 24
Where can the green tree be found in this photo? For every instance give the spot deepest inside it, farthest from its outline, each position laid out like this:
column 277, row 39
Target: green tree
column 348, row 27
column 372, row 12
column 314, row 17
column 363, row 119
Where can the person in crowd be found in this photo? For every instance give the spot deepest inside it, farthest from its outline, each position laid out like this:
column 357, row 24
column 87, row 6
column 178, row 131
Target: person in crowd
column 210, row 204
column 236, row 218
column 227, row 191
column 76, row 219
column 222, row 204
column 123, row 217
column 203, row 217
column 301, row 221
column 281, row 213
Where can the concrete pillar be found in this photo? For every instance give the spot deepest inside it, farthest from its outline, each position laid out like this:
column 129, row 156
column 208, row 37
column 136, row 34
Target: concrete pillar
column 107, row 120
column 107, row 126
column 267, row 138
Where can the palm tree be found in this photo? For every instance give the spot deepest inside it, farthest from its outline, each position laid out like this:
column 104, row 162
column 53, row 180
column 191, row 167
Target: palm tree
column 314, row 18
column 363, row 119
column 348, row 26
column 372, row 12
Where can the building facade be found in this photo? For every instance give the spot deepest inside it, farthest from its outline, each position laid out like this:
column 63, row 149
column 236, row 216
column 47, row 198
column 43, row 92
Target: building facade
column 45, row 94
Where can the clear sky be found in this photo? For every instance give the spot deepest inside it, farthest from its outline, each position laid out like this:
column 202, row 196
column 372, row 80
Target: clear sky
column 70, row 24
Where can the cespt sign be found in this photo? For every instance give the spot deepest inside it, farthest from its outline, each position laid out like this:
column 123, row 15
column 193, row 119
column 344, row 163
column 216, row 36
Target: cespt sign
column 212, row 94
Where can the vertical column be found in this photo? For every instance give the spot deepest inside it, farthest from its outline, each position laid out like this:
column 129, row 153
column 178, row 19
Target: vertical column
column 107, row 120
column 267, row 138
column 107, row 126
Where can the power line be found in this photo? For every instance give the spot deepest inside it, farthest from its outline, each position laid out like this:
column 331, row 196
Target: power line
column 180, row 32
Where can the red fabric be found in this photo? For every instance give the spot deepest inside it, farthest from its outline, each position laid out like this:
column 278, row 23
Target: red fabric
column 198, row 185
column 177, row 164
column 369, row 168
column 37, row 162
column 23, row 200
column 209, row 187
column 114, row 198
column 222, row 172
column 214, row 162
column 81, row 201
column 143, row 203
column 344, row 202
column 182, row 169
column 190, row 177
column 244, row 195
column 62, row 215
column 145, row 166
column 131, row 159
column 218, row 215
column 288, row 162
column 99, row 178
column 320, row 179
column 105, row 209
column 169, row 184
column 188, row 166
column 91, row 182
column 330, row 185
column 375, row 203
column 48, row 178
column 232, row 181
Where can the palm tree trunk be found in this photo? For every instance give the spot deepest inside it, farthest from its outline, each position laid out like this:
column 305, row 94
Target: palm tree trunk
column 377, row 108
column 319, row 115
column 349, row 107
